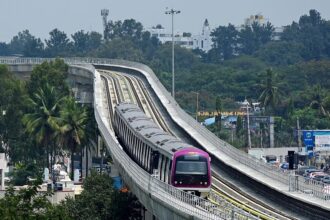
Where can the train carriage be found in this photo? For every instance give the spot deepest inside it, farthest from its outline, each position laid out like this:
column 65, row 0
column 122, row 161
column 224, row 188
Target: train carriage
column 159, row 153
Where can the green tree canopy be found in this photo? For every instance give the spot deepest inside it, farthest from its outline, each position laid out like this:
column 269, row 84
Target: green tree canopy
column 53, row 73
column 58, row 44
column 225, row 41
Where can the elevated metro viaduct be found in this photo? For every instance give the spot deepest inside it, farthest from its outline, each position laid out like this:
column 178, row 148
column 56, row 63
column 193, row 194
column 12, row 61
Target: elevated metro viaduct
column 293, row 201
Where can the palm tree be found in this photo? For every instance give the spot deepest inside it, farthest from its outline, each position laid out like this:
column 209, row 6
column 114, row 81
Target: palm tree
column 92, row 133
column 270, row 95
column 318, row 98
column 73, row 123
column 41, row 122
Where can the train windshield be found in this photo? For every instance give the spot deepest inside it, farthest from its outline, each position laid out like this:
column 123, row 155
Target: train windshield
column 191, row 165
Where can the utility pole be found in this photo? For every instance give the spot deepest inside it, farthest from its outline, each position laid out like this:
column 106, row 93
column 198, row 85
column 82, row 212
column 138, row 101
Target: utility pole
column 104, row 14
column 246, row 103
column 298, row 133
column 172, row 12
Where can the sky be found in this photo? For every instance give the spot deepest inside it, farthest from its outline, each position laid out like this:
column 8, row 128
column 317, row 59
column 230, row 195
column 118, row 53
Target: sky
column 70, row 16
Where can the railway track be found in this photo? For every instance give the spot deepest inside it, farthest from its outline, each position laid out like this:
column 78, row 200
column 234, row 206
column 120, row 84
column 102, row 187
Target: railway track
column 222, row 189
column 131, row 89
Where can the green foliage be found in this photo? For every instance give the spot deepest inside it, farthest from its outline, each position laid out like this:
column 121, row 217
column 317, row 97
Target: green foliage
column 27, row 203
column 252, row 37
column 11, row 107
column 121, row 49
column 225, row 41
column 84, row 43
column 280, row 53
column 270, row 96
column 26, row 44
column 58, row 44
column 53, row 73
column 239, row 126
column 99, row 200
column 22, row 172
column 72, row 126
column 312, row 32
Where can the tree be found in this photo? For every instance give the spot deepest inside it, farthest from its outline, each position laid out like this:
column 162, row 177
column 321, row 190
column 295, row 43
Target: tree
column 72, row 122
column 84, row 43
column 128, row 29
column 26, row 44
column 312, row 33
column 218, row 107
column 58, row 44
column 149, row 45
column 25, row 204
column 239, row 126
column 53, row 73
column 22, row 172
column 269, row 97
column 80, row 41
column 121, row 49
column 318, row 99
column 41, row 121
column 280, row 53
column 225, row 41
column 95, row 40
column 99, row 200
column 4, row 49
column 252, row 37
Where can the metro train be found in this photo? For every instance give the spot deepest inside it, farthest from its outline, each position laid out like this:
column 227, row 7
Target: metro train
column 160, row 153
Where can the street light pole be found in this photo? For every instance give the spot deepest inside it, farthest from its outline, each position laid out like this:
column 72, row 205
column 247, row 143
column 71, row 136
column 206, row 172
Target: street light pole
column 172, row 12
column 248, row 121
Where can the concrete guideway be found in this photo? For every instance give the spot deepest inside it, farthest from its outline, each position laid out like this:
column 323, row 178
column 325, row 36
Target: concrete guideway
column 251, row 167
column 243, row 163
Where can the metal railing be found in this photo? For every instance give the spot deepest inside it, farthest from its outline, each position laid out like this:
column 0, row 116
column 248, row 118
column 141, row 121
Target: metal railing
column 177, row 199
column 215, row 144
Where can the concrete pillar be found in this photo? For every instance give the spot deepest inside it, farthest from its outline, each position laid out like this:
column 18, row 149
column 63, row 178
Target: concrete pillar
column 271, row 131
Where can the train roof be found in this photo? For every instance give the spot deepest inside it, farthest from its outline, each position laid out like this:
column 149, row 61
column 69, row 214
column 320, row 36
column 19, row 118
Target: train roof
column 147, row 128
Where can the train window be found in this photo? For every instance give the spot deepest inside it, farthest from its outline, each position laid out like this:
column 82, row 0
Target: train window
column 166, row 170
column 142, row 151
column 135, row 147
column 148, row 159
column 191, row 164
column 155, row 160
column 145, row 156
column 191, row 167
column 163, row 173
column 130, row 140
column 160, row 165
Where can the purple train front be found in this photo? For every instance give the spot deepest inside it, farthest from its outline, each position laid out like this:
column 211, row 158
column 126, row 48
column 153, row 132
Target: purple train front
column 160, row 153
column 191, row 171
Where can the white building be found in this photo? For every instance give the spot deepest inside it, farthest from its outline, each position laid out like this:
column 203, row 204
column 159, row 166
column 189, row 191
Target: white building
column 201, row 41
column 3, row 169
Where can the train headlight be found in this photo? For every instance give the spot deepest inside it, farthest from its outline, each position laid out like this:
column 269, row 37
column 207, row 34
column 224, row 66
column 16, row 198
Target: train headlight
column 201, row 183
column 175, row 182
column 205, row 183
column 180, row 182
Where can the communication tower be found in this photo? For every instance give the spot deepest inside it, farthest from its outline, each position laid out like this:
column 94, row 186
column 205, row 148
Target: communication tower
column 104, row 14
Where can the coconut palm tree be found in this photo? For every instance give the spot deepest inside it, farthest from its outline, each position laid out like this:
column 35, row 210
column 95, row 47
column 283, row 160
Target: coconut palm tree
column 270, row 95
column 73, row 122
column 318, row 99
column 41, row 122
column 92, row 133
